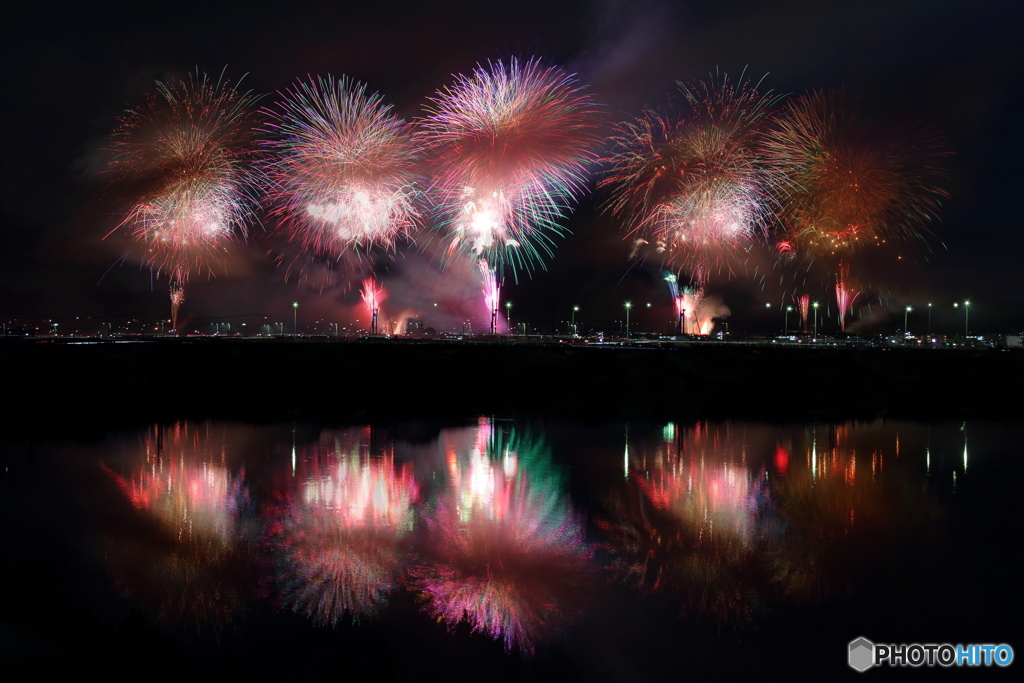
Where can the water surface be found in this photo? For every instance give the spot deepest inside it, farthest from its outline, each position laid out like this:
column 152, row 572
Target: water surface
column 517, row 547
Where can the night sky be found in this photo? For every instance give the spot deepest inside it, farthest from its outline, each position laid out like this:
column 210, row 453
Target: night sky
column 69, row 72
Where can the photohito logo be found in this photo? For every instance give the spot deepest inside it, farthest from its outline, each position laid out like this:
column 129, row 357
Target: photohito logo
column 863, row 654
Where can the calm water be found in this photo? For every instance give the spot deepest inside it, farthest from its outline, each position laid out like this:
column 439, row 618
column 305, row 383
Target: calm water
column 506, row 548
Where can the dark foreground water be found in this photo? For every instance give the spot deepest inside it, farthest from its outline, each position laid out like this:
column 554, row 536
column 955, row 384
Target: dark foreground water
column 507, row 548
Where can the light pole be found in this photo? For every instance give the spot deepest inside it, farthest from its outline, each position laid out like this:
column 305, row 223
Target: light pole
column 508, row 316
column 905, row 331
column 967, row 311
column 815, row 319
column 628, row 306
column 929, row 320
column 295, row 318
column 575, row 309
column 788, row 309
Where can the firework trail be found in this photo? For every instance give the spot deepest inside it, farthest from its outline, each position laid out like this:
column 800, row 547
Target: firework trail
column 492, row 292
column 184, row 161
column 342, row 534
column 511, row 144
column 177, row 297
column 508, row 555
column 804, row 303
column 373, row 297
column 343, row 167
column 850, row 184
column 844, row 296
column 692, row 183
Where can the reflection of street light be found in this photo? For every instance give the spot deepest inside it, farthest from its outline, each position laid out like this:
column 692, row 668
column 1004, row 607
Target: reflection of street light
column 628, row 306
column 788, row 309
column 574, row 310
column 815, row 319
column 295, row 318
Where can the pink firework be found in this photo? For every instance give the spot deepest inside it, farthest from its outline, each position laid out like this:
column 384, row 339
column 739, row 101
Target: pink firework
column 511, row 143
column 804, row 302
column 492, row 292
column 373, row 297
column 691, row 182
column 343, row 167
column 844, row 297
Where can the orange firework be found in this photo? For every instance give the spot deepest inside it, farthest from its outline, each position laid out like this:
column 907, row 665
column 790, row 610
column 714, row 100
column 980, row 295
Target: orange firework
column 691, row 182
column 852, row 183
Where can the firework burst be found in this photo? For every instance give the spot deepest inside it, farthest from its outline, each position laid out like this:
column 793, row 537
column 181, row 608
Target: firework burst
column 851, row 184
column 691, row 183
column 511, row 143
column 184, row 161
column 343, row 167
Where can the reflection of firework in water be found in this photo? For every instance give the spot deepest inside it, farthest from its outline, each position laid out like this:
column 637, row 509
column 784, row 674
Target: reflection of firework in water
column 344, row 167
column 184, row 159
column 511, row 142
column 688, row 526
column 847, row 523
column 693, row 184
column 373, row 297
column 844, row 296
column 508, row 554
column 189, row 576
column 852, row 184
column 342, row 533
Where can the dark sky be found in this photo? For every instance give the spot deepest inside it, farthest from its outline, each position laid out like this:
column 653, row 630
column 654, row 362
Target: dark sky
column 69, row 71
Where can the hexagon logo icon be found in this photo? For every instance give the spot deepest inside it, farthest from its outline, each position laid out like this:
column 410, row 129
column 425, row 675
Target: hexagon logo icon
column 862, row 654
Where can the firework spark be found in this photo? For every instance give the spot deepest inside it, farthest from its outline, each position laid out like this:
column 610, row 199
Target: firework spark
column 343, row 167
column 804, row 303
column 373, row 297
column 511, row 142
column 693, row 315
column 492, row 292
column 844, row 296
column 185, row 161
column 850, row 183
column 692, row 182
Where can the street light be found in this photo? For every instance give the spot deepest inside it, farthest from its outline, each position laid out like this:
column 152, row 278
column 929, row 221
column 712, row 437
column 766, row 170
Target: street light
column 815, row 319
column 905, row 331
column 628, row 306
column 929, row 320
column 967, row 311
column 508, row 316
column 575, row 309
column 788, row 309
column 295, row 318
